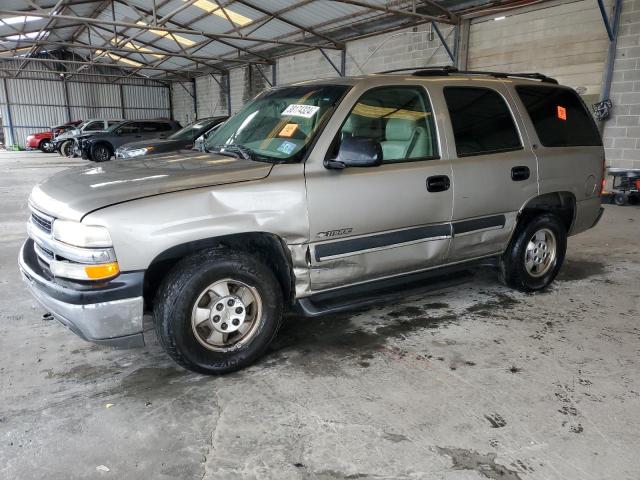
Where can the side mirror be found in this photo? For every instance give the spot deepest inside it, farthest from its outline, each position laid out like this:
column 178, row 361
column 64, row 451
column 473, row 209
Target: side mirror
column 356, row 152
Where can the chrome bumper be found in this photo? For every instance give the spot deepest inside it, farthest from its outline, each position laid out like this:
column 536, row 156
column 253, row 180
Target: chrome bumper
column 116, row 321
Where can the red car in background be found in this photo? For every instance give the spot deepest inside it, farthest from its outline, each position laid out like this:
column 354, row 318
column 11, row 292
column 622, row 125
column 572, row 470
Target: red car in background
column 42, row 140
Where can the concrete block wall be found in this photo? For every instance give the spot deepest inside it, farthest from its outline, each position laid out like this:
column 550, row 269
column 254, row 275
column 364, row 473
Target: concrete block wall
column 414, row 47
column 212, row 100
column 182, row 101
column 622, row 130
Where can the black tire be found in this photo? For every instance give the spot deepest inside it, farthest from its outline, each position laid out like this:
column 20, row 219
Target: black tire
column 66, row 149
column 513, row 271
column 177, row 297
column 620, row 199
column 46, row 146
column 101, row 152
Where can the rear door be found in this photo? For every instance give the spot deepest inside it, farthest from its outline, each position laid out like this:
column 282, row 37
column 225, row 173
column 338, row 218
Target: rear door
column 375, row 222
column 494, row 168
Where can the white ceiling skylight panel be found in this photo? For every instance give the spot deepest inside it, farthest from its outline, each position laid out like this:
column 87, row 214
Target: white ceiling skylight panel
column 16, row 20
column 28, row 36
column 226, row 13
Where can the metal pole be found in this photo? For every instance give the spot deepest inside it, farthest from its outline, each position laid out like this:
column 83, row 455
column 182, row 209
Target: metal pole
column 273, row 74
column 229, row 93
column 9, row 117
column 611, row 53
column 195, row 99
column 343, row 62
column 122, row 101
column 66, row 98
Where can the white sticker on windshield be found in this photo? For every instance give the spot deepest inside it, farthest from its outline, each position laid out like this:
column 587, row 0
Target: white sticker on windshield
column 305, row 111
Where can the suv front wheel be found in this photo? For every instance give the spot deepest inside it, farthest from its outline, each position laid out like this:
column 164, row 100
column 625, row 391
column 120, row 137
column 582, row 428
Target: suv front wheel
column 535, row 254
column 217, row 311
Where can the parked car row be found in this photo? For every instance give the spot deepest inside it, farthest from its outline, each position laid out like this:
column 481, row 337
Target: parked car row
column 44, row 140
column 100, row 139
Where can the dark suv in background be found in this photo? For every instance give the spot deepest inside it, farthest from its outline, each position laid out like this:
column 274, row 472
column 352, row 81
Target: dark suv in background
column 182, row 139
column 100, row 146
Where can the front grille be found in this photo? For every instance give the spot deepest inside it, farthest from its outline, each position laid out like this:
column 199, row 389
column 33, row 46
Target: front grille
column 41, row 221
column 45, row 254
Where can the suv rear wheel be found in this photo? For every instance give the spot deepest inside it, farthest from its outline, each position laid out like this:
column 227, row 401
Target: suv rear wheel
column 217, row 311
column 101, row 153
column 535, row 254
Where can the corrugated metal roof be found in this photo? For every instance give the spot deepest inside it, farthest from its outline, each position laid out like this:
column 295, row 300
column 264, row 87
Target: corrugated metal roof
column 288, row 20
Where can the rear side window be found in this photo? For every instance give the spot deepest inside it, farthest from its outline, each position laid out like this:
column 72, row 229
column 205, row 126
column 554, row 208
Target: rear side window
column 559, row 116
column 481, row 121
column 151, row 127
column 129, row 128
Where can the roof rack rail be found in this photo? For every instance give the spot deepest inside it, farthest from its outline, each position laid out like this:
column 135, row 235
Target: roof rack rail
column 448, row 70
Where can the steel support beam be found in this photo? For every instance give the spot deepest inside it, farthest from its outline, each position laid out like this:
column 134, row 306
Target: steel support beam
column 444, row 42
column 339, row 70
column 122, row 109
column 228, row 94
column 99, row 64
column 611, row 52
column 605, row 19
column 195, row 98
column 67, row 103
column 264, row 77
column 163, row 29
column 9, row 115
column 164, row 53
column 393, row 11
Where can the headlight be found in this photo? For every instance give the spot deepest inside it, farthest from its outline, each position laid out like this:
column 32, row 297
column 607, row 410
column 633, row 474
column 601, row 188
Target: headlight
column 81, row 235
column 136, row 152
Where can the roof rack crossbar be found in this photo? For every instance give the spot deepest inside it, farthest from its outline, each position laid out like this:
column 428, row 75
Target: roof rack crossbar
column 448, row 70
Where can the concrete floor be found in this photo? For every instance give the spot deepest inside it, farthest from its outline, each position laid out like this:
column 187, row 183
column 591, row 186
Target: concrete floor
column 471, row 381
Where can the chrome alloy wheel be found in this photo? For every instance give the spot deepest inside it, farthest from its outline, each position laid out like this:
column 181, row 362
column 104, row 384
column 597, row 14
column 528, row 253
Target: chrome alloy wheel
column 541, row 252
column 226, row 315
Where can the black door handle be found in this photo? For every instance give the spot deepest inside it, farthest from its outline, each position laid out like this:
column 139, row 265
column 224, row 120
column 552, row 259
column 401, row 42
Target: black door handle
column 438, row 183
column 519, row 174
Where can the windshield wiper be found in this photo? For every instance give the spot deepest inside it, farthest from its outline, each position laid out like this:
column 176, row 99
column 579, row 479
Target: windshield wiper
column 240, row 151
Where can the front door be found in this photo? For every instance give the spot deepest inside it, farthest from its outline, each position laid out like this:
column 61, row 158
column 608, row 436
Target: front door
column 375, row 222
column 494, row 169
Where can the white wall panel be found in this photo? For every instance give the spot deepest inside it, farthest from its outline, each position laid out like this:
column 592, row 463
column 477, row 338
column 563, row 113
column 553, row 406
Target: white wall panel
column 38, row 104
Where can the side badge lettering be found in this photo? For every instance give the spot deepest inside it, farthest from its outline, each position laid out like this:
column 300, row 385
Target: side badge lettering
column 335, row 233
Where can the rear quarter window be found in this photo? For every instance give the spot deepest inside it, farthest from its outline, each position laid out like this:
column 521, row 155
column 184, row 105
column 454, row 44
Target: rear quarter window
column 559, row 116
column 481, row 120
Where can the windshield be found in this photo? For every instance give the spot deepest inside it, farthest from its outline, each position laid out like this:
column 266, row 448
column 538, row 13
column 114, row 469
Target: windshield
column 278, row 125
column 114, row 127
column 193, row 130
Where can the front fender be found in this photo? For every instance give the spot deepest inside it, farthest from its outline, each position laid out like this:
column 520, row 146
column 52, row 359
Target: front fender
column 144, row 228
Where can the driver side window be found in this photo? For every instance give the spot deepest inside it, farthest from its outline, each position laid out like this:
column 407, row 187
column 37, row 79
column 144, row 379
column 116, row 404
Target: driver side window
column 399, row 118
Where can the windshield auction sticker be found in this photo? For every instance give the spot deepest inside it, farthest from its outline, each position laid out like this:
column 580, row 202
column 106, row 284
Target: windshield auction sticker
column 296, row 110
column 288, row 130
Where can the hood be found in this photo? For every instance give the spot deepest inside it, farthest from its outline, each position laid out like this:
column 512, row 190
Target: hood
column 163, row 144
column 70, row 134
column 73, row 193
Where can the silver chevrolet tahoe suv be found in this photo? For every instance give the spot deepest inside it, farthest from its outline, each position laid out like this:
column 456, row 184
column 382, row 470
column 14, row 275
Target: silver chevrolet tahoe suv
column 311, row 196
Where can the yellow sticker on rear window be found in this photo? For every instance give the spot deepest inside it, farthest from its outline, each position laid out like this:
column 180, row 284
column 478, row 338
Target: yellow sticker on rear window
column 288, row 130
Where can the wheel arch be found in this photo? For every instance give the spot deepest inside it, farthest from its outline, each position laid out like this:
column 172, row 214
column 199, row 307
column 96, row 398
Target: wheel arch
column 101, row 142
column 270, row 248
column 562, row 204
